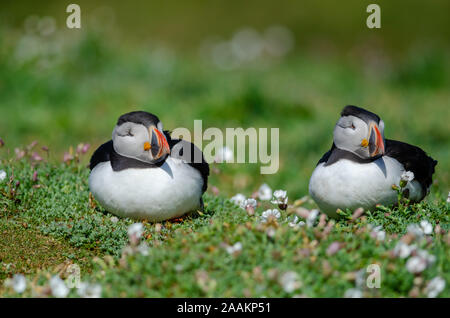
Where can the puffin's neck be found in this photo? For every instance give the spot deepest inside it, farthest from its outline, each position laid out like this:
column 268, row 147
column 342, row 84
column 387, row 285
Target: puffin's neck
column 338, row 154
column 119, row 162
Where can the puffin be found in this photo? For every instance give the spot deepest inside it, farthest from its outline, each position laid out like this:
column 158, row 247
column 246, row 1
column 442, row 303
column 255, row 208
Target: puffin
column 142, row 173
column 362, row 166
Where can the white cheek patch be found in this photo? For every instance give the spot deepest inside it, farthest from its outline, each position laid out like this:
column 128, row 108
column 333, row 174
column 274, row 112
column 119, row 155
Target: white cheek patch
column 347, row 138
column 131, row 146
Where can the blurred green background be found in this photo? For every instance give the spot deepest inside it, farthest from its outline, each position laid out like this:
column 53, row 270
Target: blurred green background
column 287, row 64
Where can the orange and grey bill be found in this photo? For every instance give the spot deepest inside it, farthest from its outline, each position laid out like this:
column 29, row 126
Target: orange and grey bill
column 162, row 143
column 376, row 141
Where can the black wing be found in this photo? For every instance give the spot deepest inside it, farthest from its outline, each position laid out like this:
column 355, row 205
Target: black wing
column 413, row 159
column 102, row 154
column 327, row 155
column 190, row 153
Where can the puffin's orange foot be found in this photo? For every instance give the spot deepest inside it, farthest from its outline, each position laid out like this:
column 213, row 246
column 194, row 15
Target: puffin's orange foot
column 177, row 220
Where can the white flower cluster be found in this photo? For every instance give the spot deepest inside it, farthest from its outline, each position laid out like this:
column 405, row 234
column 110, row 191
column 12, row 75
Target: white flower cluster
column 353, row 293
column 290, row 282
column 265, row 192
column 280, row 197
column 427, row 227
column 421, row 229
column 87, row 290
column 296, row 222
column 234, row 249
column 418, row 259
column 407, row 176
column 238, row 199
column 378, row 233
column 312, row 217
column 248, row 203
column 135, row 232
column 419, row 262
column 271, row 214
column 403, row 250
column 58, row 287
column 18, row 283
column 435, row 287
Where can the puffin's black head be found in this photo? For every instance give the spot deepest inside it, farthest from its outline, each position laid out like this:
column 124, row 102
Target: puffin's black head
column 360, row 132
column 140, row 135
column 139, row 117
column 361, row 113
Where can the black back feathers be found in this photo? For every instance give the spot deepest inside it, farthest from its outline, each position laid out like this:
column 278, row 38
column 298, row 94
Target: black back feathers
column 191, row 154
column 413, row 159
column 102, row 154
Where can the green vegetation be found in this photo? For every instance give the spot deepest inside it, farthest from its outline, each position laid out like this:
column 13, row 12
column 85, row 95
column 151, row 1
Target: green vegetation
column 64, row 89
column 190, row 258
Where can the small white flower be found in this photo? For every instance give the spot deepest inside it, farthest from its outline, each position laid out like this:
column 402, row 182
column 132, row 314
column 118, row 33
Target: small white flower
column 407, row 176
column 448, row 198
column 289, row 281
column 435, row 287
column 270, row 214
column 280, row 197
column 378, row 233
column 234, row 249
column 313, row 214
column 430, row 259
column 58, row 287
column 87, row 290
column 264, row 192
column 114, row 219
column 353, row 293
column 270, row 232
column 224, row 154
column 2, row 175
column 248, row 203
column 296, row 223
column 135, row 230
column 238, row 199
column 427, row 227
column 416, row 264
column 143, row 248
column 403, row 250
column 381, row 235
column 18, row 283
column 415, row 230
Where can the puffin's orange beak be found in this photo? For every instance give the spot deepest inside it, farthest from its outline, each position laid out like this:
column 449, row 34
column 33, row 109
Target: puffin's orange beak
column 160, row 146
column 376, row 141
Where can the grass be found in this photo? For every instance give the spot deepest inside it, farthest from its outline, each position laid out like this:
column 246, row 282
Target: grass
column 48, row 219
column 24, row 250
column 189, row 258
